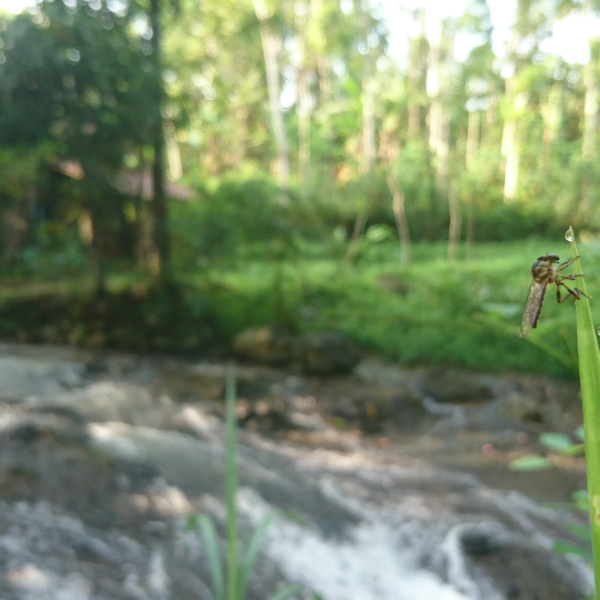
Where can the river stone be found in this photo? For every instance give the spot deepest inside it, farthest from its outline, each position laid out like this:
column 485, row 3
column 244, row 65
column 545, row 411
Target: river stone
column 451, row 385
column 271, row 344
column 327, row 353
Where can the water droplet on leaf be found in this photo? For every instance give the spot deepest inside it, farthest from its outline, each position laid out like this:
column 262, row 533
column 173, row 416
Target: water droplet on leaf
column 569, row 235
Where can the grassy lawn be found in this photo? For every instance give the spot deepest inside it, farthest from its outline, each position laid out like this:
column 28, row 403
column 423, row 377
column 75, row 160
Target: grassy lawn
column 464, row 314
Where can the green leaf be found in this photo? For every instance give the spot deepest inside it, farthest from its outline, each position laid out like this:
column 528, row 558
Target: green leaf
column 531, row 462
column 258, row 537
column 556, row 441
column 581, row 499
column 294, row 517
column 231, row 483
column 575, row 450
column 211, row 545
column 563, row 547
column 589, row 376
column 287, row 592
column 582, row 531
column 193, row 523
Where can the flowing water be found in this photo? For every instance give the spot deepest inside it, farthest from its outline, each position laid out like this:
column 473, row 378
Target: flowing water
column 103, row 461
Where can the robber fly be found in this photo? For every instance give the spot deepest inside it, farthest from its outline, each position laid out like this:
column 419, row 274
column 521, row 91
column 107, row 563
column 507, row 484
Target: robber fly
column 544, row 272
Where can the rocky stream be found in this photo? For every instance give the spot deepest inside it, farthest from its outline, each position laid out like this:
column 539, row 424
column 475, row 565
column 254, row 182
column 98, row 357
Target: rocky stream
column 399, row 476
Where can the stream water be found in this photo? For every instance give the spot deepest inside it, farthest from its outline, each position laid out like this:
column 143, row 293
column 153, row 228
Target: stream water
column 103, row 460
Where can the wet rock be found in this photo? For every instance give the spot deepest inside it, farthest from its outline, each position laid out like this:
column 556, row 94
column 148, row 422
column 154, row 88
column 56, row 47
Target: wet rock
column 327, row 353
column 319, row 353
column 71, row 376
column 208, row 381
column 451, row 385
column 477, row 541
column 271, row 344
column 487, row 560
column 523, row 407
column 47, row 554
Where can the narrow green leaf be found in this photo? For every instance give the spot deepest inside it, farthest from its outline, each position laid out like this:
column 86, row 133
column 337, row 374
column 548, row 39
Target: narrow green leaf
column 287, row 592
column 231, row 484
column 563, row 547
column 575, row 450
column 211, row 544
column 589, row 376
column 582, row 531
column 581, row 500
column 530, row 463
column 294, row 517
column 252, row 551
column 193, row 523
column 556, row 441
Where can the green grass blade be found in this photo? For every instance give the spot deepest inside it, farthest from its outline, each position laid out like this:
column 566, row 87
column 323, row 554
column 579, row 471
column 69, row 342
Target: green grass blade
column 563, row 547
column 531, row 462
column 252, row 551
column 589, row 374
column 287, row 592
column 208, row 532
column 231, row 484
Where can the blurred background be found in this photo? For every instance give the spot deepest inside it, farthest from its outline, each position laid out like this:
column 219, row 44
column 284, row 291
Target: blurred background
column 390, row 170
column 347, row 196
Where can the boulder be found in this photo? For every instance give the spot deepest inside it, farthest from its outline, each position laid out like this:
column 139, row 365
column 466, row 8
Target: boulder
column 271, row 344
column 326, row 353
column 452, row 385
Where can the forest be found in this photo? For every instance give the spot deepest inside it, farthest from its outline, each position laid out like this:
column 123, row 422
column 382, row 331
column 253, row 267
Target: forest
column 172, row 172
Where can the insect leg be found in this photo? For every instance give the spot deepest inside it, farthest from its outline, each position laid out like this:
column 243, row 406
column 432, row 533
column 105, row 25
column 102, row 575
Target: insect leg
column 576, row 293
column 566, row 264
column 569, row 277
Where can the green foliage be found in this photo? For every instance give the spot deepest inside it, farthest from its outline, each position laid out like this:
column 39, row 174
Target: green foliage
column 236, row 222
column 467, row 315
column 530, row 463
column 76, row 77
column 589, row 373
column 150, row 319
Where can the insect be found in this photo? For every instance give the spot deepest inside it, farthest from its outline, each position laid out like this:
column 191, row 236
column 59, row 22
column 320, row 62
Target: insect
column 544, row 272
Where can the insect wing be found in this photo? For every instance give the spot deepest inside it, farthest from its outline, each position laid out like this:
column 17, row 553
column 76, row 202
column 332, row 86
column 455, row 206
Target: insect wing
column 533, row 307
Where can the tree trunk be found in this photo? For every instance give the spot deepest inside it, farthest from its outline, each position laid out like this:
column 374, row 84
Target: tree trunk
column 320, row 48
column 470, row 235
column 159, row 201
column 590, row 120
column 304, row 99
column 416, row 85
column 368, row 116
column 510, row 145
column 400, row 218
column 474, row 134
column 271, row 44
column 455, row 224
column 91, row 234
column 359, row 227
column 473, row 137
column 175, row 171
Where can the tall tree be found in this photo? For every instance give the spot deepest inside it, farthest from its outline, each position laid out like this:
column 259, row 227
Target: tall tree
column 74, row 89
column 271, row 43
column 162, row 264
